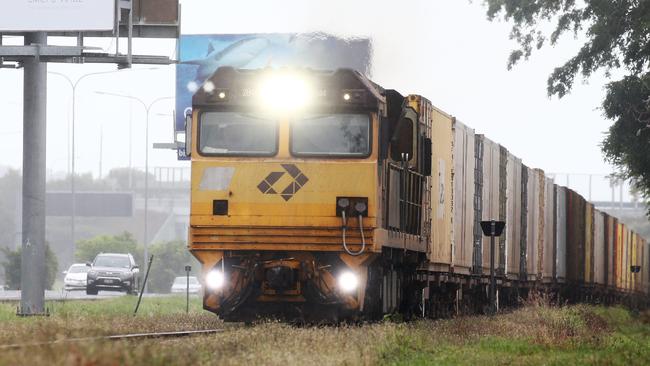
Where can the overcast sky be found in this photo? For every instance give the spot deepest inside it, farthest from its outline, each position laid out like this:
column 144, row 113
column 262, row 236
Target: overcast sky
column 446, row 50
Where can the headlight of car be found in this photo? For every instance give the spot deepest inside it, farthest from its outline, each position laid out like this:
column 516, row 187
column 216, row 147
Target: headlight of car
column 92, row 274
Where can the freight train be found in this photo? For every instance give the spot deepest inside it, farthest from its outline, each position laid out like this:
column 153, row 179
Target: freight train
column 321, row 196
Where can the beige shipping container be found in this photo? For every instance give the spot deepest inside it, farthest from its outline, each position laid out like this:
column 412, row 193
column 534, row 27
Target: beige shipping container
column 645, row 267
column 599, row 248
column 440, row 253
column 610, row 254
column 463, row 197
column 490, row 197
column 513, row 216
column 441, row 190
column 548, row 254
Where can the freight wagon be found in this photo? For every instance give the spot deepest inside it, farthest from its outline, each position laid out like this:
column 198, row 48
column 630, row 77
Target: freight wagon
column 323, row 196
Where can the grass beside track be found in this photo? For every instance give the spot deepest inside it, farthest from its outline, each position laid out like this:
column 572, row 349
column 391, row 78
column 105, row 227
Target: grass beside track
column 573, row 335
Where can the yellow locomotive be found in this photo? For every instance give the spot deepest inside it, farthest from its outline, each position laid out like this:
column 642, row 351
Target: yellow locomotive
column 297, row 193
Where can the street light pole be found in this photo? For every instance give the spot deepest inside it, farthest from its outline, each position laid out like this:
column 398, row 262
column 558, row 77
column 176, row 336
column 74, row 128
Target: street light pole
column 73, row 86
column 147, row 108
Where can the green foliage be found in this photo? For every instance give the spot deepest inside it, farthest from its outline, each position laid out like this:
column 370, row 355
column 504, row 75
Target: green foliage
column 170, row 259
column 124, row 243
column 616, row 38
column 616, row 33
column 12, row 267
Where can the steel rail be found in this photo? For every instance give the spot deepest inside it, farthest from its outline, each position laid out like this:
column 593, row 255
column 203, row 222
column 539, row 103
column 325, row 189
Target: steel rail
column 116, row 337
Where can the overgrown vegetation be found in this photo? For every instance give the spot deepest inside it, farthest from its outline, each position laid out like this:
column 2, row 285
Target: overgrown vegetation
column 11, row 265
column 536, row 334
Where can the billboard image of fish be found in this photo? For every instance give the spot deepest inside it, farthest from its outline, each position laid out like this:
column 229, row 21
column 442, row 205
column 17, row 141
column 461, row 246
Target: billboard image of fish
column 202, row 54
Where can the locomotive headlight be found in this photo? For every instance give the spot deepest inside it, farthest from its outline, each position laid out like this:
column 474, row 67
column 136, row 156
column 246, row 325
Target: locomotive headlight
column 285, row 92
column 348, row 281
column 215, row 279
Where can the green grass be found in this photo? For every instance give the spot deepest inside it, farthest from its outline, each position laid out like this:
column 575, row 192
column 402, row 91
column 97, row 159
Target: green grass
column 576, row 335
column 573, row 335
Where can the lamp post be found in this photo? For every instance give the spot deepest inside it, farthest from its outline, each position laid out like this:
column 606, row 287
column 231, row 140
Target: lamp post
column 147, row 108
column 73, row 86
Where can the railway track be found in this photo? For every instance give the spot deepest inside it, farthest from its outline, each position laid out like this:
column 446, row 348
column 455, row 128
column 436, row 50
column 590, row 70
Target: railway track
column 115, row 337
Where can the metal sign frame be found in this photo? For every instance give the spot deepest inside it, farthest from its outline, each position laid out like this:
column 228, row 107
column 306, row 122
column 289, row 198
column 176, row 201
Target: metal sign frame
column 14, row 56
column 33, row 56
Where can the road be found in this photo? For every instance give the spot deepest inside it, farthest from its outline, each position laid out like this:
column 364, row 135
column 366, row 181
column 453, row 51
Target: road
column 11, row 295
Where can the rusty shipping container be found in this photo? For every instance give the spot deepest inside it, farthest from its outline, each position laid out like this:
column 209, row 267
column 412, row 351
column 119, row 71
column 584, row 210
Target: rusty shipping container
column 560, row 232
column 575, row 264
column 589, row 243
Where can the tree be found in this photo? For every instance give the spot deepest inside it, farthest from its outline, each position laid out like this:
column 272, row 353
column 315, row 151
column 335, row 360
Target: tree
column 170, row 259
column 12, row 267
column 617, row 34
column 124, row 243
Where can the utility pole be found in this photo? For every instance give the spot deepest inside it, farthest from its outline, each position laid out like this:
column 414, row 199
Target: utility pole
column 32, row 266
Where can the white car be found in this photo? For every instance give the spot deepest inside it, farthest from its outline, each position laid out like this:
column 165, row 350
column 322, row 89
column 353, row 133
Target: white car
column 180, row 285
column 75, row 277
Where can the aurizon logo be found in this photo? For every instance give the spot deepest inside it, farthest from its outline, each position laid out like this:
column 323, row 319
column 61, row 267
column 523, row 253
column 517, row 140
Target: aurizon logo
column 299, row 181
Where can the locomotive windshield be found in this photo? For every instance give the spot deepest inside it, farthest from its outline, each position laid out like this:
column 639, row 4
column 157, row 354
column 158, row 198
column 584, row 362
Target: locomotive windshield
column 234, row 133
column 341, row 135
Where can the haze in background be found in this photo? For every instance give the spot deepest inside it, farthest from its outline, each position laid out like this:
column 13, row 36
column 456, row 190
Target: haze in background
column 444, row 50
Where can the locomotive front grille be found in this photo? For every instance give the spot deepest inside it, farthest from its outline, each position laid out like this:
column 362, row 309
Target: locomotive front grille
column 277, row 238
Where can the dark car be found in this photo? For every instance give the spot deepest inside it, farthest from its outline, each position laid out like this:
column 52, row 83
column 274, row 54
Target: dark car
column 112, row 272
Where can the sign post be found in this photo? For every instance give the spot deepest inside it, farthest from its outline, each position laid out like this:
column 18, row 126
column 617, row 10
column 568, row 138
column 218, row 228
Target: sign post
column 492, row 229
column 187, row 289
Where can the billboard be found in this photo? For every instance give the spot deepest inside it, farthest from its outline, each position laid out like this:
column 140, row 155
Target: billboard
column 201, row 55
column 57, row 15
